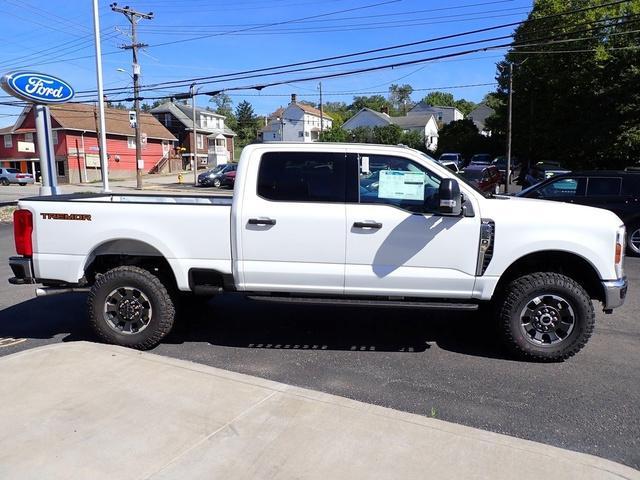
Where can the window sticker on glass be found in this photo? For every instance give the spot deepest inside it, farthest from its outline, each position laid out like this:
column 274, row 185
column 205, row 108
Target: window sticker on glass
column 364, row 165
column 401, row 185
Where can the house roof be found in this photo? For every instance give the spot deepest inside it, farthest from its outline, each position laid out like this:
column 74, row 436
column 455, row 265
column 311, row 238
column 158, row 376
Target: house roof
column 80, row 116
column 4, row 130
column 422, row 106
column 184, row 113
column 412, row 121
column 311, row 110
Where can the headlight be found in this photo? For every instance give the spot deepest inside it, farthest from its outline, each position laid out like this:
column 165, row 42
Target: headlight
column 621, row 242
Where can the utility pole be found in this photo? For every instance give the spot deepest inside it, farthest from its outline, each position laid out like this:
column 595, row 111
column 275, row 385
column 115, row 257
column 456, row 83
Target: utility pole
column 134, row 17
column 192, row 92
column 321, row 110
column 101, row 131
column 506, row 181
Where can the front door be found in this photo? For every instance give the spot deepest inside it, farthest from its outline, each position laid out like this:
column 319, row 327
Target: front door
column 397, row 245
column 292, row 236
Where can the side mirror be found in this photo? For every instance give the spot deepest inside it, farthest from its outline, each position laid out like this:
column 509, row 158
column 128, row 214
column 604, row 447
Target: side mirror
column 450, row 198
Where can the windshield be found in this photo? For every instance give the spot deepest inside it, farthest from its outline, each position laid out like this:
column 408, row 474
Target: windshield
column 481, row 158
column 448, row 157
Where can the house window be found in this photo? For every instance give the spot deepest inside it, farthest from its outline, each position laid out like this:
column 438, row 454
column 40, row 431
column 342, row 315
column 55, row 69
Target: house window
column 300, row 133
column 54, row 136
column 8, row 142
column 200, row 141
column 28, row 137
column 131, row 142
column 61, row 171
column 167, row 119
column 306, row 134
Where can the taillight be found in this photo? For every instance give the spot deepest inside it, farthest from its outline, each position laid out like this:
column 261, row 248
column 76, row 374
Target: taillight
column 22, row 230
column 621, row 240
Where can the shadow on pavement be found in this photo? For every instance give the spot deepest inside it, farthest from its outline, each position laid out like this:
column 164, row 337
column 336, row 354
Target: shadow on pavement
column 234, row 321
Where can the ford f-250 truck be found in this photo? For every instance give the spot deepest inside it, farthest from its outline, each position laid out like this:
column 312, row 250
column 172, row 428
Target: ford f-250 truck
column 340, row 223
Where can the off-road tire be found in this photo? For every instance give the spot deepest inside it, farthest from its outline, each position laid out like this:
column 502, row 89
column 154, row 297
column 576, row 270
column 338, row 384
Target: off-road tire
column 163, row 310
column 521, row 292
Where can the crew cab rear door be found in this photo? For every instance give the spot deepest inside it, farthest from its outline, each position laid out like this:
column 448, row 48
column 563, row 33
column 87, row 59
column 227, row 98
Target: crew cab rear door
column 292, row 226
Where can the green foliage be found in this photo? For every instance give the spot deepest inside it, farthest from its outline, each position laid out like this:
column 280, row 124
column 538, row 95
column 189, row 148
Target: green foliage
column 413, row 139
column 439, row 99
column 339, row 112
column 374, row 102
column 362, row 135
column 387, row 135
column 465, row 106
column 462, row 136
column 400, row 97
column 247, row 123
column 335, row 134
column 581, row 108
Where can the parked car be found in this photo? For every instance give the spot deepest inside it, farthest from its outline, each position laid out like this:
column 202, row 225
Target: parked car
column 13, row 175
column 228, row 179
column 298, row 229
column 539, row 172
column 481, row 159
column 616, row 191
column 452, row 157
column 451, row 165
column 501, row 165
column 485, row 178
column 214, row 176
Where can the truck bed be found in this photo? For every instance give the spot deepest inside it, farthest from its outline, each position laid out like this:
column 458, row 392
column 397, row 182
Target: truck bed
column 188, row 231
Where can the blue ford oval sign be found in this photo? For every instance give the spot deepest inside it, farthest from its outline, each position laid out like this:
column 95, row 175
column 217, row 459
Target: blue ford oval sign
column 37, row 87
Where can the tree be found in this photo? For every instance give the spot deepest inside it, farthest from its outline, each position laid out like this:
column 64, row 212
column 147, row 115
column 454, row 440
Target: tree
column 465, row 106
column 247, row 123
column 145, row 107
column 374, row 102
column 335, row 134
column 581, row 107
column 387, row 135
column 223, row 106
column 462, row 136
column 400, row 97
column 439, row 99
column 339, row 112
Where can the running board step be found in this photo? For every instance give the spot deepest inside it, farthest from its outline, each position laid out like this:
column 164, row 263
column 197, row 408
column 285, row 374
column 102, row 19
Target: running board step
column 367, row 302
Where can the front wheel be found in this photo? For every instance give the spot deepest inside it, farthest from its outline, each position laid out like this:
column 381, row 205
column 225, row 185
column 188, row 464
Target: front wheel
column 217, row 183
column 545, row 316
column 5, row 182
column 130, row 307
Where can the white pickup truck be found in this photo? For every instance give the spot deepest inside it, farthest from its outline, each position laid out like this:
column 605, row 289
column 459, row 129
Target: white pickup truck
column 370, row 225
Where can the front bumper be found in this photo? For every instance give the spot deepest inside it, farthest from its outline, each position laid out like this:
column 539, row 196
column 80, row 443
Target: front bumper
column 615, row 292
column 21, row 268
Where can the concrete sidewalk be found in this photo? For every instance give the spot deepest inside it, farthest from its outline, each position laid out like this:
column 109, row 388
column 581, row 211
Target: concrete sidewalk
column 82, row 410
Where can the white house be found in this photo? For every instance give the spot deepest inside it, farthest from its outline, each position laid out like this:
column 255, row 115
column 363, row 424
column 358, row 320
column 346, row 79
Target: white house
column 444, row 115
column 425, row 124
column 295, row 123
column 479, row 117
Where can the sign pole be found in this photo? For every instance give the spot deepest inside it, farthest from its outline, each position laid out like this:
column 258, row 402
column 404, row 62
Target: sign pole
column 48, row 169
column 102, row 137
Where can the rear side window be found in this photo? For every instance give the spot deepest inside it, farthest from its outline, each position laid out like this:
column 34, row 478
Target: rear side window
column 564, row 187
column 598, row 186
column 302, row 177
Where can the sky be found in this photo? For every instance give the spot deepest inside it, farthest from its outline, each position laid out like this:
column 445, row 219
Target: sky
column 199, row 38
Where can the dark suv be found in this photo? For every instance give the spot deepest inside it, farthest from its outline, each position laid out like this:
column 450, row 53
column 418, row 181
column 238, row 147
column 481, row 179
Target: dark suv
column 616, row 191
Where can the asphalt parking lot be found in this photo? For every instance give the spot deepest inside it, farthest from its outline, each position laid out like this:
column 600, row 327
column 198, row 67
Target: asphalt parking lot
column 441, row 364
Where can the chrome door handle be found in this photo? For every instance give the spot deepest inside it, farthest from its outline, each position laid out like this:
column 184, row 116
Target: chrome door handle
column 367, row 225
column 262, row 221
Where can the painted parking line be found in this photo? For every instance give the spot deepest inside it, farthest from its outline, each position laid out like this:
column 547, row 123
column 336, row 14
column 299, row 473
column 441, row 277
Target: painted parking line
column 10, row 341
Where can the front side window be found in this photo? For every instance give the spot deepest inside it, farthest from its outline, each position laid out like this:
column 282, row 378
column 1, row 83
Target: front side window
column 564, row 187
column 399, row 182
column 599, row 186
column 302, row 177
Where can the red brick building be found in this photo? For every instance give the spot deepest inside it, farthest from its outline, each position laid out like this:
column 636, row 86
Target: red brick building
column 76, row 145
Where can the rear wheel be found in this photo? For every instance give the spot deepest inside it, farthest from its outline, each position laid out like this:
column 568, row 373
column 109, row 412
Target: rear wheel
column 633, row 240
column 545, row 316
column 130, row 307
column 5, row 182
column 22, row 184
